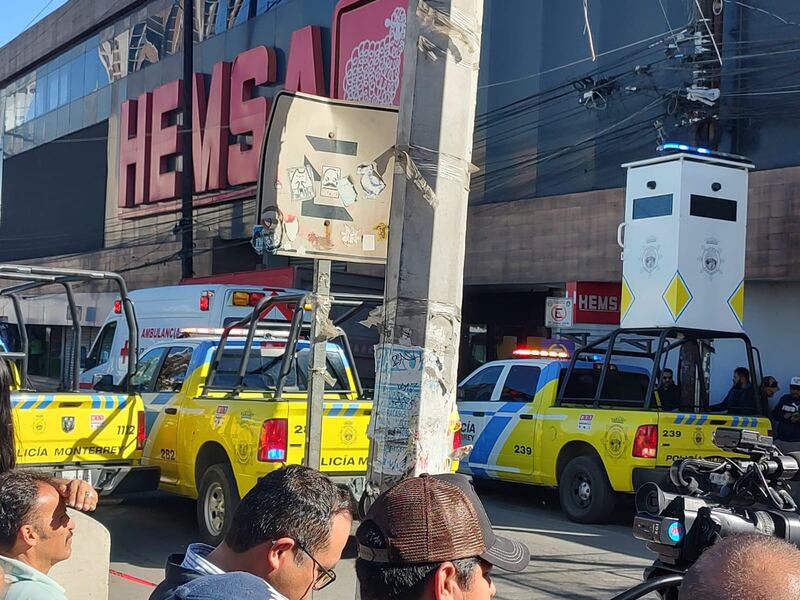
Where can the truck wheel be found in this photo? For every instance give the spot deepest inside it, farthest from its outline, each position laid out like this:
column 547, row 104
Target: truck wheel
column 217, row 500
column 584, row 491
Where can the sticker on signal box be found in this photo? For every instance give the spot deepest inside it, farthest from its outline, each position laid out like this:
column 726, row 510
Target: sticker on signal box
column 585, row 422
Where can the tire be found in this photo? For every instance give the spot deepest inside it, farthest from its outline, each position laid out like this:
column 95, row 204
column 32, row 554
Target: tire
column 585, row 493
column 217, row 499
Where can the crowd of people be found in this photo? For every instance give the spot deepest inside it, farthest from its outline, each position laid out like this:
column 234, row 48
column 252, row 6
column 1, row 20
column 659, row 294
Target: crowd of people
column 425, row 538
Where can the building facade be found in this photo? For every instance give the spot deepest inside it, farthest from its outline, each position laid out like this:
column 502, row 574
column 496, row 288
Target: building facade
column 90, row 165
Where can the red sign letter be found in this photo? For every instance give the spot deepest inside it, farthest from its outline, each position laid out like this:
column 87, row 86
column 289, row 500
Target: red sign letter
column 165, row 184
column 304, row 69
column 249, row 114
column 210, row 129
column 134, row 151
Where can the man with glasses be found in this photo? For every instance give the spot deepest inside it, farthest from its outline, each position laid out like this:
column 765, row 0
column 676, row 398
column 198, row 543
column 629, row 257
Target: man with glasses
column 429, row 538
column 286, row 536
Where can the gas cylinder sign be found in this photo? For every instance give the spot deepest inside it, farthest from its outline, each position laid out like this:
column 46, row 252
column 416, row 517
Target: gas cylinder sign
column 558, row 312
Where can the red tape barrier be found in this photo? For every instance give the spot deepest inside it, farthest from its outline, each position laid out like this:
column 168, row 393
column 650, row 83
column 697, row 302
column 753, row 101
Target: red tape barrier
column 127, row 577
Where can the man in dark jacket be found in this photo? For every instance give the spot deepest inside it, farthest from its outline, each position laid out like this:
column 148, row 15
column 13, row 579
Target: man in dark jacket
column 286, row 536
column 786, row 414
column 741, row 398
column 668, row 392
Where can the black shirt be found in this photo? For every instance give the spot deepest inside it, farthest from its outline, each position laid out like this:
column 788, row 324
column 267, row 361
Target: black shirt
column 786, row 430
column 670, row 396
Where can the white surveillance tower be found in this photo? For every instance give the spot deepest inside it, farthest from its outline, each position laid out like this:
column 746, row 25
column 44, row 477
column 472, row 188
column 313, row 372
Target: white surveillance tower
column 683, row 243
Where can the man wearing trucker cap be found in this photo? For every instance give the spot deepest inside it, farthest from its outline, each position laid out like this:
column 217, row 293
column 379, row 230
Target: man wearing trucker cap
column 428, row 538
column 787, row 415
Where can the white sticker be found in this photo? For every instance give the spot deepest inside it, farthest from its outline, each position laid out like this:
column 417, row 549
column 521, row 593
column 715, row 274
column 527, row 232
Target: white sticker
column 347, row 191
column 302, row 185
column 97, row 421
column 219, row 415
column 585, row 422
column 371, row 181
column 368, row 242
column 330, row 178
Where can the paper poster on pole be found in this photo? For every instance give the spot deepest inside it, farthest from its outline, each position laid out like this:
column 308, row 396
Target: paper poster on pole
column 325, row 184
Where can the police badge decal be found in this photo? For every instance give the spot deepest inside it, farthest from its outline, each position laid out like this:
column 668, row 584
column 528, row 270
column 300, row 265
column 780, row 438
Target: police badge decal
column 67, row 424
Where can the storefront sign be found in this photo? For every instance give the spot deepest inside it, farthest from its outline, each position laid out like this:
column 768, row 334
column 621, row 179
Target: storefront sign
column 230, row 115
column 595, row 302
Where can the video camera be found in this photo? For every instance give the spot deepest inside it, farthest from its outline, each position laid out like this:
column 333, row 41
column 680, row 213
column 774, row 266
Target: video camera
column 726, row 496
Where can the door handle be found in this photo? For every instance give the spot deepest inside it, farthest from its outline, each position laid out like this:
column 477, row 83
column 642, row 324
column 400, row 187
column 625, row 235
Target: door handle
column 526, row 417
column 171, row 411
column 478, row 414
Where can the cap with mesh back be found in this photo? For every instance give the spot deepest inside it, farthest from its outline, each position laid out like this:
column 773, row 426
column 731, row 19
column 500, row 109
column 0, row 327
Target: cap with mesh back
column 436, row 518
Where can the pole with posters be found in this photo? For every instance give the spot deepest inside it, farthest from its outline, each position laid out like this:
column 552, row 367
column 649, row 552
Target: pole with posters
column 416, row 362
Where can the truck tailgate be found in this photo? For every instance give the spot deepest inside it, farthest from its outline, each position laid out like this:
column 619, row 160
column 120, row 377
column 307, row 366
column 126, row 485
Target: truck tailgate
column 345, row 445
column 74, row 427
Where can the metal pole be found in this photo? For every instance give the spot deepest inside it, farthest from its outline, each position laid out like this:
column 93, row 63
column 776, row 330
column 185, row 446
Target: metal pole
column 317, row 367
column 417, row 375
column 186, row 224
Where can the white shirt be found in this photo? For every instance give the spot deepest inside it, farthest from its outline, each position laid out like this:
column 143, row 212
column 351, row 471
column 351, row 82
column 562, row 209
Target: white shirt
column 196, row 559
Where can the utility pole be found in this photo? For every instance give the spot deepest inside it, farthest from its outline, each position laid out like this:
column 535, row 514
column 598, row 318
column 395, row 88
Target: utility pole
column 186, row 223
column 317, row 365
column 417, row 360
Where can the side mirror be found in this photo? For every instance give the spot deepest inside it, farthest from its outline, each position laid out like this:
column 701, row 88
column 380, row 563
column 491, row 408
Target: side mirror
column 103, row 383
column 460, row 394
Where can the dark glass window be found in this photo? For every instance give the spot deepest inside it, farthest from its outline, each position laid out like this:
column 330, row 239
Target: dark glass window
column 520, row 384
column 654, row 206
column 712, row 208
column 480, row 386
column 76, row 77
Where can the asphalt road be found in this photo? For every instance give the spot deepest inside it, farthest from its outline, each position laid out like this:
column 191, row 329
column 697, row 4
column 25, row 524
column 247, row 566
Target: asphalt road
column 568, row 560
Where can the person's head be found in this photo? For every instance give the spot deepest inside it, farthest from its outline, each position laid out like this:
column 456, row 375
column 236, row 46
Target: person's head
column 8, row 457
column 667, row 377
column 741, row 377
column 428, row 538
column 770, row 386
column 34, row 524
column 794, row 387
column 290, row 530
column 756, row 567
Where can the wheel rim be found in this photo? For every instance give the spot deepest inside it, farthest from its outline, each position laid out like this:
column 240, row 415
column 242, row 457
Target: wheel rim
column 214, row 509
column 582, row 491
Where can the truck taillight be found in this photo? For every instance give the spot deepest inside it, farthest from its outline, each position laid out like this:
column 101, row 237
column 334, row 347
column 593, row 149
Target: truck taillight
column 140, row 431
column 274, row 439
column 117, row 307
column 457, row 439
column 645, row 443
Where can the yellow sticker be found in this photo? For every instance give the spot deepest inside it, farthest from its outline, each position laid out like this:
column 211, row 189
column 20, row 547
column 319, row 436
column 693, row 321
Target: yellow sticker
column 382, row 231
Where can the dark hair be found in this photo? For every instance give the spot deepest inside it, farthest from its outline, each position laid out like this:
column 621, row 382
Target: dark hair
column 8, row 456
column 386, row 581
column 742, row 372
column 295, row 502
column 18, row 493
column 667, row 370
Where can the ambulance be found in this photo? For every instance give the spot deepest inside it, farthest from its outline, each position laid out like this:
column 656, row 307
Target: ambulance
column 161, row 314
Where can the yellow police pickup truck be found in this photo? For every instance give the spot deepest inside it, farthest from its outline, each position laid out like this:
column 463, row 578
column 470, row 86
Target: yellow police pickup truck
column 600, row 423
column 226, row 407
column 72, row 434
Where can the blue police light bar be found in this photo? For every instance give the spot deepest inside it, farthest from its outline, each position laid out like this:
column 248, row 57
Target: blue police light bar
column 679, row 147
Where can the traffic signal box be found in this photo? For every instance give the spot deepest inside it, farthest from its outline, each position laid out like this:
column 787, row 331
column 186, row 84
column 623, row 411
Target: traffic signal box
column 684, row 243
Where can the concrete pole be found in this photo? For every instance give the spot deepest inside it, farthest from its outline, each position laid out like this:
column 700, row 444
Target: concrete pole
column 417, row 360
column 317, row 367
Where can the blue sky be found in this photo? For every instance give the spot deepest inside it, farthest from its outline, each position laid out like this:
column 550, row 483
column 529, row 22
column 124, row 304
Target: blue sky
column 16, row 15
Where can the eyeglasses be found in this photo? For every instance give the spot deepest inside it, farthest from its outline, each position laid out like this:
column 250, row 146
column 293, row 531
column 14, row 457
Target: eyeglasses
column 325, row 577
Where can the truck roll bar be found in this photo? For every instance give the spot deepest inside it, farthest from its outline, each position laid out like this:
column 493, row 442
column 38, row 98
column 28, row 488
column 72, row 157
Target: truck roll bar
column 300, row 302
column 35, row 277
